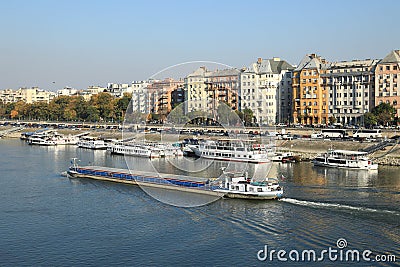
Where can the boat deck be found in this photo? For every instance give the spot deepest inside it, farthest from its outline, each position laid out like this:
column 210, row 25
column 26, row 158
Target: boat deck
column 149, row 179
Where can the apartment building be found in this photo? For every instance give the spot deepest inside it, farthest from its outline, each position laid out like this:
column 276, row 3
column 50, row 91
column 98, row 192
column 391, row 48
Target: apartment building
column 265, row 86
column 351, row 87
column 160, row 96
column 28, row 95
column 387, row 80
column 204, row 89
column 309, row 96
column 140, row 98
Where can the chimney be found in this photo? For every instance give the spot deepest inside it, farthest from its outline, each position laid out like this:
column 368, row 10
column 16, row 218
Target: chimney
column 276, row 58
column 259, row 60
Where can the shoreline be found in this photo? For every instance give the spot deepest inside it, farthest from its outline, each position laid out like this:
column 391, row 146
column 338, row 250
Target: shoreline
column 306, row 148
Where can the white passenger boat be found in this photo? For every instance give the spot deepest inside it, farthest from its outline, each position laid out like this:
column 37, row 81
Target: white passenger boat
column 133, row 149
column 345, row 159
column 41, row 141
column 237, row 185
column 232, row 150
column 92, row 143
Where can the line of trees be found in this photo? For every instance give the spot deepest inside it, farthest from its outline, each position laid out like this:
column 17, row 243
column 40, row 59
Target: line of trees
column 105, row 107
column 100, row 107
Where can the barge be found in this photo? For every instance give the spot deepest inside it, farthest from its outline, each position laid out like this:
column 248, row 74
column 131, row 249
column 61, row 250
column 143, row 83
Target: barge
column 234, row 186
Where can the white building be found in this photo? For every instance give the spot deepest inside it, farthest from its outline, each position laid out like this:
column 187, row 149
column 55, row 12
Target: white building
column 140, row 96
column 67, row 91
column 195, row 91
column 351, row 87
column 265, row 88
column 28, row 95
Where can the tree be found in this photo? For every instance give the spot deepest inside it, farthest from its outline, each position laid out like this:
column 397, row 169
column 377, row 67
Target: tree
column 384, row 113
column 104, row 103
column 225, row 114
column 370, row 119
column 332, row 120
column 93, row 114
column 177, row 115
column 247, row 116
column 197, row 116
column 122, row 106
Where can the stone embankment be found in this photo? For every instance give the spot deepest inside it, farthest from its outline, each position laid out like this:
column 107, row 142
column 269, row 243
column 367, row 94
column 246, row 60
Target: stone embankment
column 309, row 149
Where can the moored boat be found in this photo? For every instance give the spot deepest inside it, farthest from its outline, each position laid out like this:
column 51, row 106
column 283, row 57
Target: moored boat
column 232, row 150
column 92, row 143
column 345, row 159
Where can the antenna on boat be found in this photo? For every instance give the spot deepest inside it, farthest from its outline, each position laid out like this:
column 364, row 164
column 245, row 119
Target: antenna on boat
column 74, row 163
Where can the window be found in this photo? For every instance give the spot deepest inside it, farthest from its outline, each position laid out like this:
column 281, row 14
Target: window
column 387, row 67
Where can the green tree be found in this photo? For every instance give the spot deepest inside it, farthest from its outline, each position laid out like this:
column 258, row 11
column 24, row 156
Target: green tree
column 104, row 104
column 370, row 119
column 197, row 116
column 177, row 115
column 247, row 116
column 226, row 115
column 123, row 106
column 80, row 106
column 93, row 114
column 384, row 113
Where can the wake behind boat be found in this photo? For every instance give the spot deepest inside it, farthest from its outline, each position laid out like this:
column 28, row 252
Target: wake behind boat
column 345, row 159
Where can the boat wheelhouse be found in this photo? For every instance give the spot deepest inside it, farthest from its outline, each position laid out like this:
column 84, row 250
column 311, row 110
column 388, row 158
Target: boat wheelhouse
column 345, row 159
column 237, row 185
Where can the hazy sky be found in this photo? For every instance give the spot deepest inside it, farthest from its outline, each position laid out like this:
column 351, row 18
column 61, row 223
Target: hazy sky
column 82, row 43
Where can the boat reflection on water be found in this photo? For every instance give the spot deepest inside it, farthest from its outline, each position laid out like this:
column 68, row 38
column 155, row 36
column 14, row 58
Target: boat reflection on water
column 348, row 177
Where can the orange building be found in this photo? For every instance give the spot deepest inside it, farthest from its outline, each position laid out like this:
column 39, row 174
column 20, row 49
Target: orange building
column 387, row 80
column 160, row 96
column 310, row 97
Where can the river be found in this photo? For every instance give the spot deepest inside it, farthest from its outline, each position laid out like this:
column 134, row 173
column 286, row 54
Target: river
column 49, row 220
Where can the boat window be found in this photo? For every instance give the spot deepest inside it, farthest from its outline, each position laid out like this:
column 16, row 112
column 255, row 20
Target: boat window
column 259, row 189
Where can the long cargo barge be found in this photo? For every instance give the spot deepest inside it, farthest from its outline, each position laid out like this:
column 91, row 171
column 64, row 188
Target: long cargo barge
column 146, row 179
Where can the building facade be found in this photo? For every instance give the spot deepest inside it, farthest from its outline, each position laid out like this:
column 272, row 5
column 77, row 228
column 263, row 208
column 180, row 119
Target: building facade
column 204, row 89
column 310, row 97
column 264, row 88
column 28, row 95
column 160, row 96
column 351, row 88
column 387, row 80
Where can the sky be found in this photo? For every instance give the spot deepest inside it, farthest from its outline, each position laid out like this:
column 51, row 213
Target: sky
column 52, row 44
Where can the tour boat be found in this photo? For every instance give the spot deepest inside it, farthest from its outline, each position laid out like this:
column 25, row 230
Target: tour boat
column 345, row 159
column 133, row 149
column 232, row 150
column 92, row 143
column 41, row 141
column 237, row 185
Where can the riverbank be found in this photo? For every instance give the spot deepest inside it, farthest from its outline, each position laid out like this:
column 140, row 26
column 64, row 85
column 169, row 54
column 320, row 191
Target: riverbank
column 307, row 149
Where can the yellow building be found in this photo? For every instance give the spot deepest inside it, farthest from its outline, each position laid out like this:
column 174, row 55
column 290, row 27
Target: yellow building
column 310, row 97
